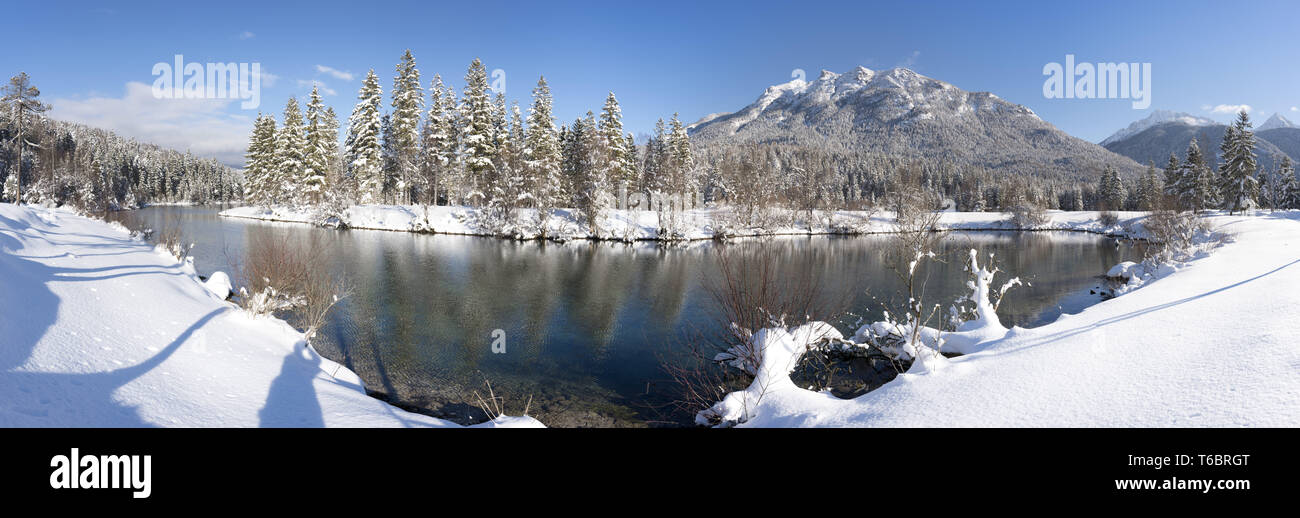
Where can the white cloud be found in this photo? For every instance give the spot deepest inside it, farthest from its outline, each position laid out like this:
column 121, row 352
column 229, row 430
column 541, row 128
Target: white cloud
column 338, row 74
column 246, row 35
column 1227, row 108
column 1294, row 109
column 324, row 89
column 204, row 126
column 910, row 60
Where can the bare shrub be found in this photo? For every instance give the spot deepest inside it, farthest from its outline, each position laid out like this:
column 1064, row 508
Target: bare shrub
column 173, row 240
column 1108, row 219
column 495, row 406
column 1173, row 236
column 279, row 274
column 1027, row 216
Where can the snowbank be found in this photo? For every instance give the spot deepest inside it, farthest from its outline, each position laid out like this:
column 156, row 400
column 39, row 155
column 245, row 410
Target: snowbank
column 642, row 225
column 99, row 329
column 1210, row 343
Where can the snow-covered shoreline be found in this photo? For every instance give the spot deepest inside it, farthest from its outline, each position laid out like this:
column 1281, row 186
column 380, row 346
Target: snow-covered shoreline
column 1208, row 343
column 102, row 330
column 644, row 225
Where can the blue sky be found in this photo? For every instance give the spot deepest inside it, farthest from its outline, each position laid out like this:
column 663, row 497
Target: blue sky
column 658, row 57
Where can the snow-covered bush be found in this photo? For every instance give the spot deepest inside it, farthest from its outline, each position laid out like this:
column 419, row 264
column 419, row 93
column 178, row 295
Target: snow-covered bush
column 1107, row 219
column 1173, row 236
column 1026, row 216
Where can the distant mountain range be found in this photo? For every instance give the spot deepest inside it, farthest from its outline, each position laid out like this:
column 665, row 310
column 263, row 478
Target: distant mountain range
column 901, row 113
column 1164, row 132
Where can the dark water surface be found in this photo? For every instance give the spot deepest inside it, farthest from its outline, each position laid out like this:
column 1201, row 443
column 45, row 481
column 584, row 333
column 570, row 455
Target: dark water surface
column 587, row 325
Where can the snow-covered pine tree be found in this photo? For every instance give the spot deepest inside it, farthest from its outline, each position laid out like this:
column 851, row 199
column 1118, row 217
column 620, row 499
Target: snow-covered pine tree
column 592, row 194
column 408, row 102
column 633, row 182
column 477, row 133
column 1151, row 189
column 683, row 174
column 290, row 148
column 542, row 157
column 334, row 162
column 653, row 180
column 259, row 161
column 316, row 165
column 1111, row 190
column 1196, row 187
column 1237, row 184
column 1171, row 182
column 364, row 153
column 1276, row 185
column 612, row 148
column 438, row 148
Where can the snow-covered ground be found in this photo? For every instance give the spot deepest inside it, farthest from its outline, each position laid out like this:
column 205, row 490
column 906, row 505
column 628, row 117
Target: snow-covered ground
column 100, row 329
column 634, row 225
column 1212, row 342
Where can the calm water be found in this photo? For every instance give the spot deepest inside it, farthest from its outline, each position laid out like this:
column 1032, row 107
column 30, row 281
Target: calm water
column 588, row 324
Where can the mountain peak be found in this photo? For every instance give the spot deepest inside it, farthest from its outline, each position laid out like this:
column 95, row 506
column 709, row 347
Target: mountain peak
column 898, row 112
column 1157, row 117
column 1276, row 121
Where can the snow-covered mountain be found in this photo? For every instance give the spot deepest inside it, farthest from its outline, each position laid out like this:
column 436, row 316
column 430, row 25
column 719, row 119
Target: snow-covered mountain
column 1157, row 117
column 1275, row 122
column 899, row 112
column 1156, row 143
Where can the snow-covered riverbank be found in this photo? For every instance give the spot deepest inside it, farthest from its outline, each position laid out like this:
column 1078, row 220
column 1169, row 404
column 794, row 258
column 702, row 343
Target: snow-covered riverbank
column 99, row 329
column 638, row 225
column 1214, row 342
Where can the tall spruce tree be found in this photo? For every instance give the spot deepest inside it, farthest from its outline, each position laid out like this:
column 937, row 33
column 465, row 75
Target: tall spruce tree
column 612, row 146
column 260, row 161
column 439, row 143
column 317, row 160
column 1196, row 187
column 477, row 133
column 542, row 154
column 408, row 102
column 290, row 148
column 364, row 152
column 1238, row 186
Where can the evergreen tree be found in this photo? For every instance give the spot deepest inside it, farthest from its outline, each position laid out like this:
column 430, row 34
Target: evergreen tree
column 681, row 162
column 542, row 154
column 290, row 147
column 408, row 102
column 1171, row 182
column 1277, row 185
column 364, row 153
column 1238, row 186
column 1111, row 190
column 318, row 157
column 478, row 135
column 439, row 142
column 612, row 146
column 23, row 104
column 260, row 161
column 1150, row 189
column 1196, row 187
column 592, row 194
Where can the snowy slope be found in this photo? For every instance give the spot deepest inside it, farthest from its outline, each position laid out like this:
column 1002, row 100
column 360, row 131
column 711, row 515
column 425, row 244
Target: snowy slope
column 99, row 329
column 1211, row 344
